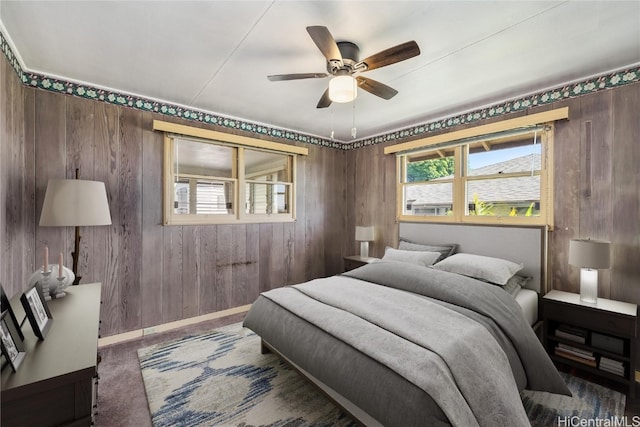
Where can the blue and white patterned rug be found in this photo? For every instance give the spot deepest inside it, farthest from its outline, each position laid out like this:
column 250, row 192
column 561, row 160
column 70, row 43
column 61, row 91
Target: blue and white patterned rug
column 220, row 378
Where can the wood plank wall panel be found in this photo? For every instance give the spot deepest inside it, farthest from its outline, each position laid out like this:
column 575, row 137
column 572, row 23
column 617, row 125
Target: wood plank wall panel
column 80, row 137
column 130, row 216
column 190, row 268
column 596, row 179
column 314, row 191
column 252, row 264
column 50, row 162
column 335, row 222
column 172, row 275
column 300, row 226
column 566, row 188
column 239, row 287
column 152, row 269
column 625, row 209
column 224, row 267
column 12, row 160
column 371, row 193
column 106, row 254
column 207, row 274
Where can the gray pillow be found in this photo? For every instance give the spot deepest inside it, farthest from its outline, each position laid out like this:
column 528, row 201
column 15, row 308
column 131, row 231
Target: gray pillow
column 494, row 270
column 422, row 258
column 516, row 283
column 445, row 250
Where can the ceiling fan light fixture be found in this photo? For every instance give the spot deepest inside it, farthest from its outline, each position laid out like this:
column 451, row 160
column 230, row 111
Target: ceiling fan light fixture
column 343, row 89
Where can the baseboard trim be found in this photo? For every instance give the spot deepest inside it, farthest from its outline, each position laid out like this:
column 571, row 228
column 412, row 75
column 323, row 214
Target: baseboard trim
column 126, row 336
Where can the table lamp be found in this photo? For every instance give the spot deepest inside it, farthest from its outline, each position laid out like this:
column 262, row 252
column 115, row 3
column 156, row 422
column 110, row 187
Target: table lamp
column 589, row 255
column 364, row 235
column 75, row 203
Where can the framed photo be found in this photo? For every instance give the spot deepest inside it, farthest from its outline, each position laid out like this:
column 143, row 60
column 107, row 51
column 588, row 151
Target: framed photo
column 5, row 305
column 11, row 343
column 37, row 311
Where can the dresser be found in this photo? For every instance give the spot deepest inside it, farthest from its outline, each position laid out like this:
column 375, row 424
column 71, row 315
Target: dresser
column 56, row 383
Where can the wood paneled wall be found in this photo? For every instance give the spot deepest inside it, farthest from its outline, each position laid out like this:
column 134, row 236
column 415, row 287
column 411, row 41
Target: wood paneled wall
column 151, row 274
column 599, row 199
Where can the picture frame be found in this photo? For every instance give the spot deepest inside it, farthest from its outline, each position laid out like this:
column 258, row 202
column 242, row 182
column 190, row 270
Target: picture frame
column 35, row 306
column 11, row 344
column 5, row 305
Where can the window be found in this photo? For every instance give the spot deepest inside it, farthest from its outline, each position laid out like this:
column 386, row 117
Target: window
column 499, row 173
column 268, row 183
column 215, row 181
column 496, row 179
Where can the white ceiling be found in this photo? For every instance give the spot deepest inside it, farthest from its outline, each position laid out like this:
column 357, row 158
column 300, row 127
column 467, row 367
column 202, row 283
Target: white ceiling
column 216, row 55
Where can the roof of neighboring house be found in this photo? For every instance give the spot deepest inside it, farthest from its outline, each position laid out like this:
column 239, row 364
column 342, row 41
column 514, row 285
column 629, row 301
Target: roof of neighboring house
column 517, row 189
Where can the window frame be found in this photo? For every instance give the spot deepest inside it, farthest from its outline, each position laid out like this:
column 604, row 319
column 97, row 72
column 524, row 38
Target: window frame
column 238, row 144
column 460, row 142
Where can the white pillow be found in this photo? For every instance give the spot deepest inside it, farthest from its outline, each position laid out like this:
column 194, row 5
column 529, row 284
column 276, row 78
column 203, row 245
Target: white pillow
column 424, row 259
column 494, row 270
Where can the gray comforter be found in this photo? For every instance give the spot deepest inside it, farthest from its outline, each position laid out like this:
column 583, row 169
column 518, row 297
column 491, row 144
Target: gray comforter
column 462, row 342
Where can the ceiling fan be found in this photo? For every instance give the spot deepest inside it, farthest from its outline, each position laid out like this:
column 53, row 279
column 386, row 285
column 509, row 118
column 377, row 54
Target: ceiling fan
column 345, row 67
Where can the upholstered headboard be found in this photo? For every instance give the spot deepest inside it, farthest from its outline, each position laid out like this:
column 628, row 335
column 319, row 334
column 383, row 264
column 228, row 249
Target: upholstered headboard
column 526, row 245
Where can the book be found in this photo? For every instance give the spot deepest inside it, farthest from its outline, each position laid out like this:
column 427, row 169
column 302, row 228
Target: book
column 615, row 371
column 566, row 355
column 575, row 349
column 570, row 337
column 610, row 363
column 576, row 352
column 572, row 330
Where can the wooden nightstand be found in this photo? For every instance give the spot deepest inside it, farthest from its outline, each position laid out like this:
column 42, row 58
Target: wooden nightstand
column 355, row 261
column 596, row 338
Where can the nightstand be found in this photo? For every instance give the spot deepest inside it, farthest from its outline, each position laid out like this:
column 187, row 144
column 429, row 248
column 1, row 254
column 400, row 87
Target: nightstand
column 355, row 261
column 596, row 338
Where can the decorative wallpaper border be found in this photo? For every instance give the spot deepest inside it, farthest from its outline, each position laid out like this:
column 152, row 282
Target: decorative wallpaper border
column 596, row 84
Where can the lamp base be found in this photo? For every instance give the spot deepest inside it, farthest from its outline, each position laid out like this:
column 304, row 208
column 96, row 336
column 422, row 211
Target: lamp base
column 589, row 285
column 364, row 249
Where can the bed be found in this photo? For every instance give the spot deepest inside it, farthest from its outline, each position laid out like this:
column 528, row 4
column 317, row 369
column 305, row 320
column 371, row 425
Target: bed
column 400, row 343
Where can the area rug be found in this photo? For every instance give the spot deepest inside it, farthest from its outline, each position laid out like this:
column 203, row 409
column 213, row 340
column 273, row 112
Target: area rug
column 220, row 378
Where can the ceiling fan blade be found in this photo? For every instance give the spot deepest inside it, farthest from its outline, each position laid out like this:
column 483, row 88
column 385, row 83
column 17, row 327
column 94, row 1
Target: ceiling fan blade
column 390, row 56
column 325, row 101
column 376, row 88
column 280, row 77
column 326, row 43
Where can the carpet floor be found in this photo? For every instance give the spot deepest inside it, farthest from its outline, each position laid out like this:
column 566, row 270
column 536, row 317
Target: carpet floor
column 220, row 378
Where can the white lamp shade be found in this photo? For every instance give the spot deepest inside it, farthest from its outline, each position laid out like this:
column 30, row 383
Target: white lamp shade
column 342, row 89
column 589, row 253
column 75, row 202
column 365, row 234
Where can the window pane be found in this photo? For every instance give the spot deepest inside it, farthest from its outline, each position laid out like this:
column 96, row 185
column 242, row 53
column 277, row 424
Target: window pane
column 502, row 159
column 201, row 158
column 263, row 166
column 518, row 196
column 203, row 197
column 428, row 199
column 428, row 166
column 264, row 198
